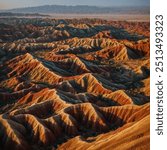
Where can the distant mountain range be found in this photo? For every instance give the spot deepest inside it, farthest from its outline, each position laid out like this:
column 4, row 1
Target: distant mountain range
column 81, row 9
column 11, row 14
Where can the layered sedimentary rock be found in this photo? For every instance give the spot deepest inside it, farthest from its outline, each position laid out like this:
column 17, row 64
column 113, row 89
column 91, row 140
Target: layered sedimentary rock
column 77, row 84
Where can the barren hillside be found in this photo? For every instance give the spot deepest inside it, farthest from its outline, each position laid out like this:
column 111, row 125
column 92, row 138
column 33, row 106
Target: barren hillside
column 74, row 84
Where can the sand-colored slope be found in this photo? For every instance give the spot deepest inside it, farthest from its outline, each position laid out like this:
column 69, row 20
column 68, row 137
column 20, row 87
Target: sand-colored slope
column 130, row 136
column 72, row 121
column 26, row 66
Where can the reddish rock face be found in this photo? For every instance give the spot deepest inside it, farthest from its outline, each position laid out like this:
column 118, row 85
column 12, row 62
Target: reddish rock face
column 79, row 85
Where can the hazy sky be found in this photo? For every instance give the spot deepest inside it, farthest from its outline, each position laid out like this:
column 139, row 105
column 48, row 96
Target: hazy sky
column 6, row 4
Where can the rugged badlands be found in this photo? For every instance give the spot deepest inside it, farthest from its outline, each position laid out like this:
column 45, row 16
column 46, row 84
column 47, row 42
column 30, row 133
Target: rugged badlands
column 74, row 84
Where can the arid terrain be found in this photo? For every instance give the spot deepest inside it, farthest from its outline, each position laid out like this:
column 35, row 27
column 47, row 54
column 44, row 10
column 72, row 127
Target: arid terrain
column 74, row 84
